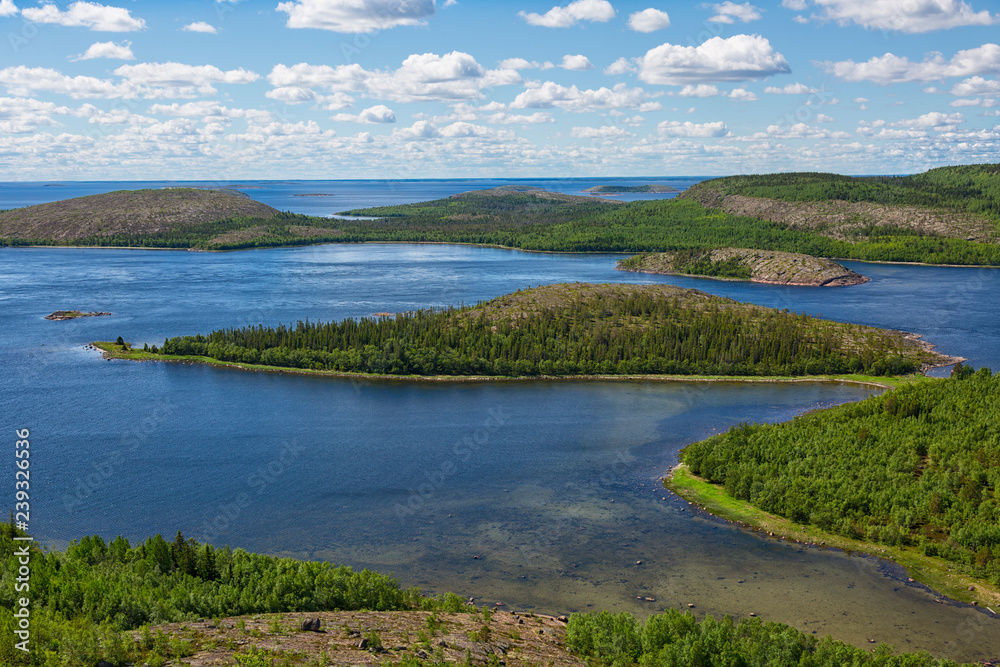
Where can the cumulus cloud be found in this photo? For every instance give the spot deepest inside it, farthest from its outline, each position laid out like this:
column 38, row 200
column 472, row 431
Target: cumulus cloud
column 934, row 120
column 21, row 80
column 791, row 89
column 8, row 8
column 605, row 132
column 427, row 76
column 571, row 14
column 909, row 16
column 19, row 114
column 890, row 68
column 674, row 128
column 200, row 26
column 648, row 20
column 795, row 5
column 376, row 114
column 730, row 12
column 620, row 66
column 172, row 79
column 551, row 94
column 111, row 50
column 516, row 63
column 700, row 90
column 576, row 63
column 743, row 95
column 356, row 16
column 99, row 18
column 207, row 111
column 976, row 85
column 736, row 58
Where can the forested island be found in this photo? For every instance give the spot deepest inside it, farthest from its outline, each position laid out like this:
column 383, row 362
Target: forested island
column 946, row 216
column 566, row 330
column 160, row 602
column 759, row 266
column 916, row 470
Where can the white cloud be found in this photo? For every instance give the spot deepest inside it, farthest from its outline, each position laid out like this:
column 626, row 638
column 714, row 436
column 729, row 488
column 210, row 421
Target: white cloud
column 648, row 20
column 564, row 17
column 730, row 12
column 823, row 118
column 736, row 58
column 172, row 79
column 605, row 132
column 700, row 90
column 620, row 66
column 291, row 95
column 90, row 15
column 910, row 16
column 427, row 77
column 794, row 5
column 207, row 111
column 111, row 50
column 791, row 89
column 201, row 26
column 976, row 102
column 934, row 120
column 890, row 68
column 551, row 94
column 355, row 16
column 516, row 63
column 743, row 95
column 674, row 128
column 19, row 114
column 976, row 85
column 376, row 114
column 860, row 100
column 576, row 63
column 8, row 8
column 22, row 80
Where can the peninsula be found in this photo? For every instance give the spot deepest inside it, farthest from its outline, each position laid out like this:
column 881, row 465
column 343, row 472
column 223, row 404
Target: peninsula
column 759, row 266
column 570, row 330
column 907, row 475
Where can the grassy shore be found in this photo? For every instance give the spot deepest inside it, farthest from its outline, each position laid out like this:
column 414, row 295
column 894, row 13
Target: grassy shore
column 937, row 574
column 112, row 350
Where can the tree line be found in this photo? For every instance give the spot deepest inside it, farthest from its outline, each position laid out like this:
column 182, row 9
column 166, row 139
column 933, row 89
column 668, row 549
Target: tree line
column 919, row 465
column 583, row 330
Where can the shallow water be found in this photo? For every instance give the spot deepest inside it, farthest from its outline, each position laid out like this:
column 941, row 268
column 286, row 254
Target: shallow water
column 553, row 484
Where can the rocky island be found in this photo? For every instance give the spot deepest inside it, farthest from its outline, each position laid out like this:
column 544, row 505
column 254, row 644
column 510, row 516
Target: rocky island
column 61, row 315
column 758, row 266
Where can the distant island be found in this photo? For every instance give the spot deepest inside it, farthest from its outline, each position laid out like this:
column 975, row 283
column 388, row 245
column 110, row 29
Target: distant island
column 73, row 314
column 949, row 215
column 174, row 217
column 314, row 194
column 627, row 189
column 571, row 330
column 759, row 266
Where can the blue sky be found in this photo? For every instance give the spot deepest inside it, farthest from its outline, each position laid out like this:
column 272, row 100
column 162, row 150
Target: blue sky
column 340, row 89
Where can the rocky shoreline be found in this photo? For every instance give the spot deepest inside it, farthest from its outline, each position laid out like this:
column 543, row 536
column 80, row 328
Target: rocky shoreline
column 61, row 315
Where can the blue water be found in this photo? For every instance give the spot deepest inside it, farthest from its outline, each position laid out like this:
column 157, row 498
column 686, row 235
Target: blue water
column 553, row 484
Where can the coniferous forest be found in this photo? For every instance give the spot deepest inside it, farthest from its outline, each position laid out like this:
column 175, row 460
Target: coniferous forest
column 919, row 465
column 572, row 329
